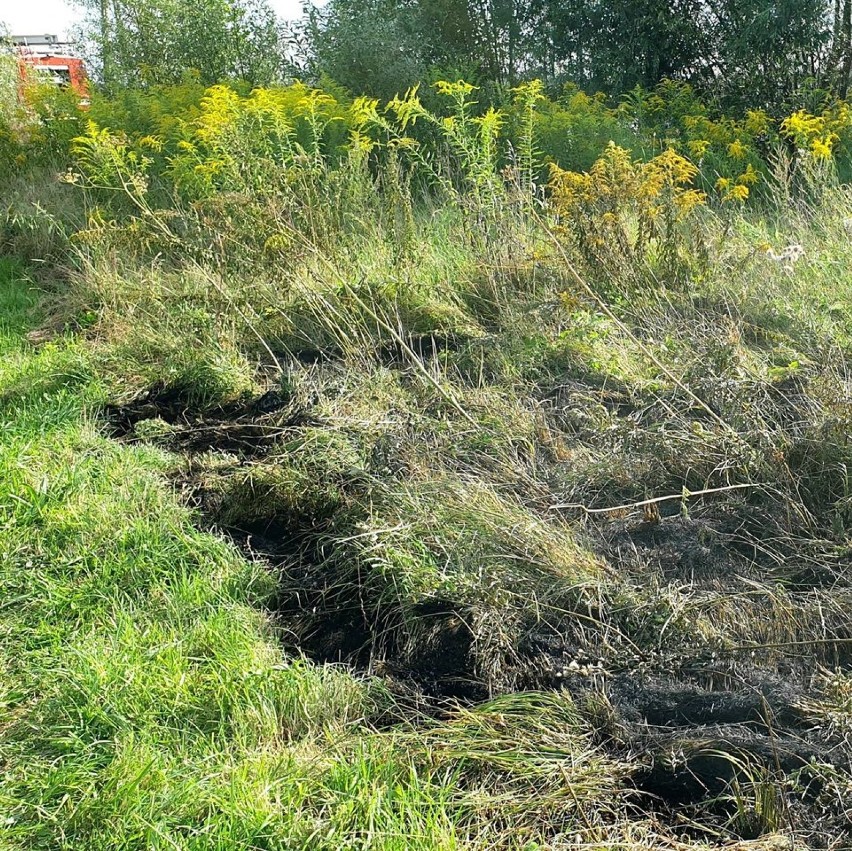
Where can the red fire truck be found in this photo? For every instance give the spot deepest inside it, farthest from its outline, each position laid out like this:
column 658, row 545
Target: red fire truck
column 53, row 58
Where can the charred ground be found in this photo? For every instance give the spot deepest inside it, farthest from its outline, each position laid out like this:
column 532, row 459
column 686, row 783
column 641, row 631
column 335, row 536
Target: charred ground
column 700, row 636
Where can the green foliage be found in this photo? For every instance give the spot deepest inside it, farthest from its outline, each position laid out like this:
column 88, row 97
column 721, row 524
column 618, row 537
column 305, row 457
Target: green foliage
column 769, row 52
column 259, row 143
column 202, row 141
column 156, row 110
column 630, row 43
column 750, row 54
column 152, row 43
column 369, row 48
column 38, row 120
column 9, row 82
column 574, row 130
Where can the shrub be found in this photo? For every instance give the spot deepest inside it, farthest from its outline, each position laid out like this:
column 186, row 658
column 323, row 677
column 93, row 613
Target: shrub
column 627, row 217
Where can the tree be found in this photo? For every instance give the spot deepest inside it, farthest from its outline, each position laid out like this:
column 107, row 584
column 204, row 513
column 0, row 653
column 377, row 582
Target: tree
column 614, row 45
column 765, row 51
column 144, row 42
column 745, row 51
column 383, row 46
column 368, row 46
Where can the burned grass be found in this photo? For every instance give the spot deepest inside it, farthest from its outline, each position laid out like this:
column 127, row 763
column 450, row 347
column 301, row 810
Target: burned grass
column 691, row 637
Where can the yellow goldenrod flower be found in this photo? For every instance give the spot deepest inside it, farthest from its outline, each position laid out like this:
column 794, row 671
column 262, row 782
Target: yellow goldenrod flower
column 737, row 150
column 698, row 147
column 155, row 143
column 456, row 89
column 687, row 201
column 821, row 148
column 801, row 127
column 757, row 122
column 738, row 192
column 749, row 177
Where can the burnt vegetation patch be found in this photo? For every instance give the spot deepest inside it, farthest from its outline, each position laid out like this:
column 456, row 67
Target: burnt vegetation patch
column 697, row 635
column 245, row 428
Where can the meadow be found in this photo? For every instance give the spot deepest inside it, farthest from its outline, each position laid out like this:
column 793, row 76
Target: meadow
column 424, row 474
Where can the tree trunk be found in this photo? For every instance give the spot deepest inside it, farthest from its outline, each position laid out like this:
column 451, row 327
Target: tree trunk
column 846, row 66
column 106, row 45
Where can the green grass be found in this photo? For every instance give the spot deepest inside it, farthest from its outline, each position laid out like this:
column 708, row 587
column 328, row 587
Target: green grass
column 145, row 700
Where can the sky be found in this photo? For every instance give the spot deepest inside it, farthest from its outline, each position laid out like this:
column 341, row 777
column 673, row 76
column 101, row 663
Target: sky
column 57, row 17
